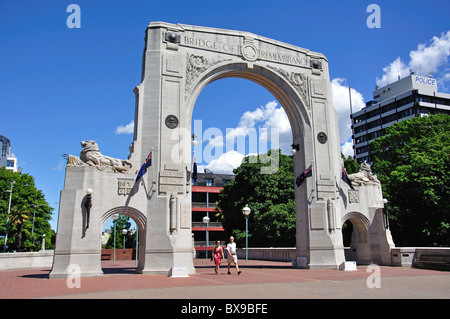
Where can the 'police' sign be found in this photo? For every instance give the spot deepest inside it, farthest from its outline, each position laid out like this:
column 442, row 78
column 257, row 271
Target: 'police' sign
column 424, row 80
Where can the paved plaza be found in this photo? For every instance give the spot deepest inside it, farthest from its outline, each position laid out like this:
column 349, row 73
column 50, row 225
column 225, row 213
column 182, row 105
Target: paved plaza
column 259, row 280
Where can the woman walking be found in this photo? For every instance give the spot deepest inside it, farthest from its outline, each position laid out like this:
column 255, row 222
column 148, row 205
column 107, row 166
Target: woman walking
column 217, row 255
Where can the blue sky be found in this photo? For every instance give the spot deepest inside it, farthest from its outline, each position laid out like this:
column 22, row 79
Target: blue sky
column 59, row 86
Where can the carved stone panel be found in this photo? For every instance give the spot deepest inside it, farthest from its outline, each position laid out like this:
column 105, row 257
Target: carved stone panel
column 297, row 80
column 124, row 186
column 353, row 196
column 197, row 64
column 171, row 121
column 185, row 218
column 171, row 181
column 317, row 218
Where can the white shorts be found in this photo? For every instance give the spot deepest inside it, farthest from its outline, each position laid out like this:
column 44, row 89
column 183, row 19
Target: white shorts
column 232, row 259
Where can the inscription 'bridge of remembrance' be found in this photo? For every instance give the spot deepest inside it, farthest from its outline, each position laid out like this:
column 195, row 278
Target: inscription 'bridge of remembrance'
column 248, row 50
column 178, row 62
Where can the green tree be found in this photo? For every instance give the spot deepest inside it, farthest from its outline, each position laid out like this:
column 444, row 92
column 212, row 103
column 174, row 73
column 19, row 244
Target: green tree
column 123, row 222
column 269, row 196
column 17, row 216
column 24, row 194
column 412, row 162
column 351, row 166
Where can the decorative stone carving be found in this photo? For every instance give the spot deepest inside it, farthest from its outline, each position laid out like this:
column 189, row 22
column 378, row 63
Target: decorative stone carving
column 197, row 64
column 172, row 37
column 90, row 155
column 171, row 121
column 171, row 181
column 249, row 52
column 353, row 196
column 364, row 176
column 298, row 80
column 124, row 186
column 322, row 137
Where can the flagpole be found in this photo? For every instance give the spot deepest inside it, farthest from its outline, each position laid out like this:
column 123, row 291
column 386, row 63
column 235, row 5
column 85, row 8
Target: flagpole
column 153, row 172
column 192, row 166
column 351, row 118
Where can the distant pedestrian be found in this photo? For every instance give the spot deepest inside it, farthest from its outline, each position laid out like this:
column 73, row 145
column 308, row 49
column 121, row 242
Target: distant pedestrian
column 217, row 256
column 232, row 257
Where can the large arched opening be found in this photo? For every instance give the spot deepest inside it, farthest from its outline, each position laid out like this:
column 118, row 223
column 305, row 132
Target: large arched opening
column 233, row 118
column 284, row 91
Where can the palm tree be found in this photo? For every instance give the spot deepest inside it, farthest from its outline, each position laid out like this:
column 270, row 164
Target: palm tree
column 18, row 215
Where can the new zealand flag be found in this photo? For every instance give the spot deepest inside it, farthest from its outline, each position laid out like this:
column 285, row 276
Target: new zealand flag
column 345, row 178
column 147, row 164
column 300, row 178
column 194, row 170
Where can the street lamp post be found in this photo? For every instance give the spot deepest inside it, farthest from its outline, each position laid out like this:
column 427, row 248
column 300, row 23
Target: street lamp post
column 124, row 233
column 194, row 142
column 137, row 244
column 206, row 221
column 7, row 217
column 115, row 217
column 32, row 227
column 246, row 211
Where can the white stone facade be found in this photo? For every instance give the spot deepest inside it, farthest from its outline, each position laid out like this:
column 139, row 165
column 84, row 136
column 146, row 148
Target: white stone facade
column 179, row 61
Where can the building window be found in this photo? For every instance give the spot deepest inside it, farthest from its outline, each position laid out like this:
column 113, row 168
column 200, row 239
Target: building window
column 209, row 182
column 199, row 197
column 9, row 163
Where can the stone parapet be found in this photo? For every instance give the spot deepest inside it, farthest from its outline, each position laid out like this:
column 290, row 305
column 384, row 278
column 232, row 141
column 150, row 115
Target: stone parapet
column 40, row 259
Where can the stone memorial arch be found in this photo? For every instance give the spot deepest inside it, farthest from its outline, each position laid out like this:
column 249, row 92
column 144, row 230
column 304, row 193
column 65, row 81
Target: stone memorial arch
column 178, row 62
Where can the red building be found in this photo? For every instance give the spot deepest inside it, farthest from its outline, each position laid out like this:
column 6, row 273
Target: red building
column 205, row 194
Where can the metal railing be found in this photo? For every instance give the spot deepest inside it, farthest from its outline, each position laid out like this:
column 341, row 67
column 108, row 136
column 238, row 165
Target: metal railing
column 210, row 224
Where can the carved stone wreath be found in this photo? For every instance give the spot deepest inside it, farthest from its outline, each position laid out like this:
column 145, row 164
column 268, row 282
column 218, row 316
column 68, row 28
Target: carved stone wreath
column 171, row 121
column 297, row 80
column 197, row 64
column 322, row 137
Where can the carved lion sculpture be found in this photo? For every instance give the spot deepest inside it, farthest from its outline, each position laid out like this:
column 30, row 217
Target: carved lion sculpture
column 364, row 176
column 91, row 156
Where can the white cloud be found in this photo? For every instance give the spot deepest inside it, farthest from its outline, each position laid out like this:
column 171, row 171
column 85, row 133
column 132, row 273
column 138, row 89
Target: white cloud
column 216, row 141
column 224, row 164
column 261, row 114
column 279, row 120
column 59, row 167
column 253, row 134
column 127, row 129
column 347, row 149
column 263, row 120
column 341, row 102
column 431, row 57
column 392, row 72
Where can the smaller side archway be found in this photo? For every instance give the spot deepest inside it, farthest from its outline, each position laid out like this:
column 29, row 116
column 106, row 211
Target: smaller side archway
column 360, row 250
column 141, row 223
column 138, row 217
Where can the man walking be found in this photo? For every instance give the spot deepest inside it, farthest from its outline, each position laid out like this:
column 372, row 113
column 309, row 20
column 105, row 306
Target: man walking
column 232, row 257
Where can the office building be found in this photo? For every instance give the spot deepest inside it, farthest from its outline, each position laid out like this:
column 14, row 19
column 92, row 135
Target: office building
column 406, row 98
column 7, row 158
